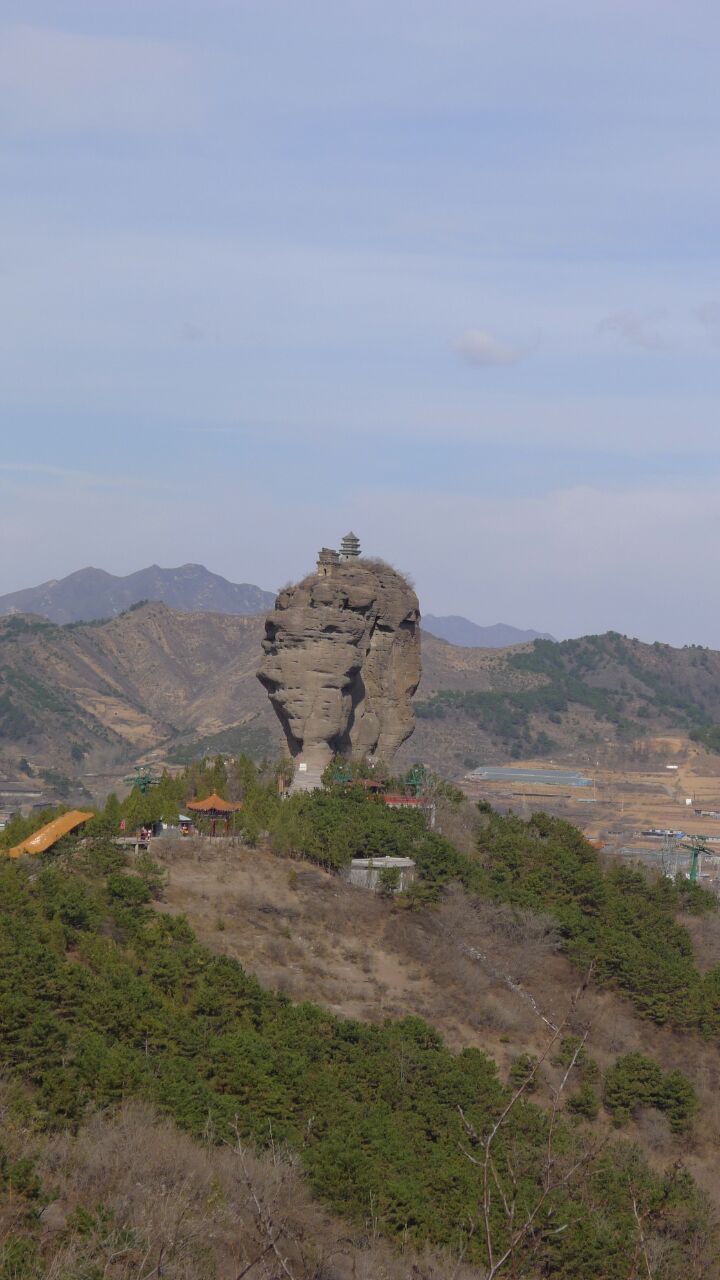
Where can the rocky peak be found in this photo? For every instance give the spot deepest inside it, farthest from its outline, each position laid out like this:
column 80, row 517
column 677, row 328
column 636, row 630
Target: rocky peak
column 341, row 660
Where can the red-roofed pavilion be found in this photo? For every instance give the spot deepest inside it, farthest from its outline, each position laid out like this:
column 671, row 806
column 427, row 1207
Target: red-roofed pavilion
column 215, row 809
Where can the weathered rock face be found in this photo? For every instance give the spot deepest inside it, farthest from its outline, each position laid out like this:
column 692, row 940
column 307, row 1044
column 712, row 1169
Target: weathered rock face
column 342, row 661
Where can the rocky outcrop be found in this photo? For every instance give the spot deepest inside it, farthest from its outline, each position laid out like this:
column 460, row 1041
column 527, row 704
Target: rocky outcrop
column 342, row 661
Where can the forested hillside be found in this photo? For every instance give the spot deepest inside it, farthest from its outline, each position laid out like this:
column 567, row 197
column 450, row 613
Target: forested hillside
column 103, row 999
column 84, row 697
column 79, row 699
column 555, row 698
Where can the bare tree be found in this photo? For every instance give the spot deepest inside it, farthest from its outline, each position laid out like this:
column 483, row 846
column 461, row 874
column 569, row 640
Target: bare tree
column 520, row 1220
column 273, row 1228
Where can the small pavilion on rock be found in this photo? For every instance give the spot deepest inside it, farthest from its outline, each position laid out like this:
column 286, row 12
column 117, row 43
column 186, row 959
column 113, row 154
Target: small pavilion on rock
column 215, row 809
column 350, row 546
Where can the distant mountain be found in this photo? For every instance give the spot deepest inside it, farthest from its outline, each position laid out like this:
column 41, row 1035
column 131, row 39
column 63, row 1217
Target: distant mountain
column 88, row 699
column 90, row 594
column 458, row 630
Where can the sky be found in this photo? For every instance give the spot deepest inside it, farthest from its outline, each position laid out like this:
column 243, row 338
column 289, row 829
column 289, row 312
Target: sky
column 446, row 274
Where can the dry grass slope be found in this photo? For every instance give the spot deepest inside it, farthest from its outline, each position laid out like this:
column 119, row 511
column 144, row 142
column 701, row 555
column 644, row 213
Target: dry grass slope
column 129, row 686
column 135, row 1199
column 484, row 975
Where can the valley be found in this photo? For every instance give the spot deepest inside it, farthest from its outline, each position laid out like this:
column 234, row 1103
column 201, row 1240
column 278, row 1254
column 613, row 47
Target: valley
column 626, row 803
column 82, row 704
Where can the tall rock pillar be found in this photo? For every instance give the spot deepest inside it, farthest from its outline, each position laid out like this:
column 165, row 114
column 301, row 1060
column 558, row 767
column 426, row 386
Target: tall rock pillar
column 341, row 662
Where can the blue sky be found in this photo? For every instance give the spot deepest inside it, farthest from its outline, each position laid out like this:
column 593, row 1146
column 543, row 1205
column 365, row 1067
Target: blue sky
column 445, row 273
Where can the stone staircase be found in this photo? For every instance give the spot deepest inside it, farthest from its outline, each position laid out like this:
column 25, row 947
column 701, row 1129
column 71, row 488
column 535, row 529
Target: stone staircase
column 309, row 780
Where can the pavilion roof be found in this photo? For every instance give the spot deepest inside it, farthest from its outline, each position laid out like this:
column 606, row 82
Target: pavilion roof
column 213, row 804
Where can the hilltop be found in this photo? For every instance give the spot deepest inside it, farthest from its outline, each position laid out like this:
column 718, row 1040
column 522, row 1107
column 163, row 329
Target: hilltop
column 87, row 699
column 458, row 630
column 557, row 699
column 91, row 594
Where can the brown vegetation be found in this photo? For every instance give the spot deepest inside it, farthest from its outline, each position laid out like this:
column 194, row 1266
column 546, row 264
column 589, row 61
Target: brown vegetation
column 483, row 974
column 135, row 1199
column 129, row 686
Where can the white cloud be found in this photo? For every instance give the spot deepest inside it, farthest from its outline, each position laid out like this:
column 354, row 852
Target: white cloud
column 190, row 332
column 55, row 81
column 558, row 562
column 639, row 328
column 479, row 347
column 41, row 469
column 35, row 472
column 708, row 315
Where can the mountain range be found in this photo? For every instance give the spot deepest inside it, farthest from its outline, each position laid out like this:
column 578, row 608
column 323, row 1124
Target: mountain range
column 87, row 700
column 458, row 630
column 91, row 594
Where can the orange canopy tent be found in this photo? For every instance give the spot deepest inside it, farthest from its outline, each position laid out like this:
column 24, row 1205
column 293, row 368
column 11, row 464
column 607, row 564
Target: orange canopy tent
column 214, row 808
column 49, row 835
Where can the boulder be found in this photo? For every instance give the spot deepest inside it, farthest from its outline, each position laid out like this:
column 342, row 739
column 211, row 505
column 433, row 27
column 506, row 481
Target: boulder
column 341, row 661
column 54, row 1216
